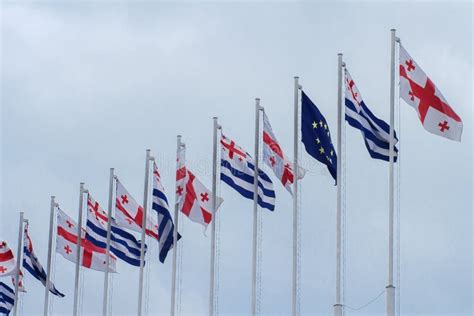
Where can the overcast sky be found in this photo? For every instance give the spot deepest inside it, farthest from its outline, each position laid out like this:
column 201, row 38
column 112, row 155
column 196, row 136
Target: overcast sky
column 86, row 86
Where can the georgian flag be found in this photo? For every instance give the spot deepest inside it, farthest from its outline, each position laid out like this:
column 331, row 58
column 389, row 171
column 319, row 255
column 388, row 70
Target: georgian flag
column 419, row 91
column 122, row 243
column 193, row 198
column 33, row 266
column 129, row 214
column 93, row 257
column 7, row 299
column 274, row 158
column 238, row 170
column 7, row 260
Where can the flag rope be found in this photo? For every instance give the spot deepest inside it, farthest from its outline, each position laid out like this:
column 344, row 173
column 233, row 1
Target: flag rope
column 217, row 218
column 366, row 304
column 343, row 212
column 179, row 267
column 147, row 278
column 399, row 168
column 110, row 294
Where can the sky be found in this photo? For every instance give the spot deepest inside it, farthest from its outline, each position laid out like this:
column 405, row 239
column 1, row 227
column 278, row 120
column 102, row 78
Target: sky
column 90, row 85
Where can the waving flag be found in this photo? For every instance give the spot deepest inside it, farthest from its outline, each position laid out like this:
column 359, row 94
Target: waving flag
column 419, row 91
column 274, row 158
column 238, row 169
column 315, row 135
column 165, row 222
column 7, row 299
column 376, row 132
column 33, row 266
column 7, row 260
column 93, row 257
column 129, row 213
column 193, row 198
column 122, row 243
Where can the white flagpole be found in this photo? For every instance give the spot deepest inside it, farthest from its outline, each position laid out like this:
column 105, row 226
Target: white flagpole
column 175, row 239
column 338, row 306
column 50, row 255
column 107, row 247
column 18, row 262
column 213, row 223
column 390, row 287
column 142, row 248
column 258, row 108
column 78, row 249
column 295, row 294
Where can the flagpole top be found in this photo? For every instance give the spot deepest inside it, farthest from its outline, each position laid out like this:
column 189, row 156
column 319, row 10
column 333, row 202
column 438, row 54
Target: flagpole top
column 296, row 77
column 393, row 30
column 339, row 54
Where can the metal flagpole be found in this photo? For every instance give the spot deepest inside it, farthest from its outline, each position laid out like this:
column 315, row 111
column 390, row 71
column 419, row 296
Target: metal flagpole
column 50, row 254
column 213, row 223
column 295, row 296
column 18, row 262
column 142, row 246
column 258, row 108
column 175, row 239
column 338, row 305
column 78, row 249
column 390, row 287
column 107, row 247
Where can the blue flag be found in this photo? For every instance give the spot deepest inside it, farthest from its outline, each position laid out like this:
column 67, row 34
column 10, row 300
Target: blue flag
column 315, row 135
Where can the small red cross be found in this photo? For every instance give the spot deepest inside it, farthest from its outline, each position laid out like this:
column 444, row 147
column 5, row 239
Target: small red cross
column 412, row 96
column 232, row 149
column 443, row 126
column 204, row 197
column 69, row 224
column 3, row 269
column 410, row 65
column 156, row 173
column 3, row 244
column 124, row 199
column 67, row 249
column 179, row 190
column 129, row 221
column 272, row 161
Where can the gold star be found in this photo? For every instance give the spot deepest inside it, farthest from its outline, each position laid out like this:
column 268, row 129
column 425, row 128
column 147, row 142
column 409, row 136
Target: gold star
column 321, row 150
column 317, row 141
column 325, row 126
column 315, row 125
column 321, row 123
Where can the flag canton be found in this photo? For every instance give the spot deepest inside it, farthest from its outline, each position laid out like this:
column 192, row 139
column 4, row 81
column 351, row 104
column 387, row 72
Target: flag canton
column 316, row 136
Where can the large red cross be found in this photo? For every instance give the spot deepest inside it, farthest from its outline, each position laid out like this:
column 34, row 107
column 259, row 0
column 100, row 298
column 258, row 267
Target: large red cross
column 232, row 149
column 95, row 209
column 427, row 98
column 287, row 175
column 67, row 249
column 443, row 126
column 3, row 269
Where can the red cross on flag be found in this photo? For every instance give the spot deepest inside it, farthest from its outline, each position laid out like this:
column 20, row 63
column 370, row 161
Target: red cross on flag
column 7, row 260
column 419, row 91
column 274, row 158
column 129, row 214
column 66, row 244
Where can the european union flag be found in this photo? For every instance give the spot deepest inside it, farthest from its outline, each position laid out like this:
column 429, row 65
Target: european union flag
column 315, row 135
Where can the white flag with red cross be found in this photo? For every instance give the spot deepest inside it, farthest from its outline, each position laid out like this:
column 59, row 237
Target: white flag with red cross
column 93, row 257
column 129, row 214
column 193, row 198
column 274, row 158
column 7, row 260
column 419, row 91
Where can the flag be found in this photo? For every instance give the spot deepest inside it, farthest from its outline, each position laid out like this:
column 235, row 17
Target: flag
column 7, row 299
column 33, row 266
column 7, row 260
column 274, row 158
column 376, row 132
column 419, row 91
column 193, row 198
column 21, row 286
column 129, row 214
column 238, row 170
column 165, row 222
column 93, row 257
column 122, row 243
column 315, row 135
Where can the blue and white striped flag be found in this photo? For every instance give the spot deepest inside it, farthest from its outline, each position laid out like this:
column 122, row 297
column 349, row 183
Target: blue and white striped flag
column 165, row 222
column 376, row 132
column 7, row 299
column 122, row 243
column 237, row 170
column 34, row 267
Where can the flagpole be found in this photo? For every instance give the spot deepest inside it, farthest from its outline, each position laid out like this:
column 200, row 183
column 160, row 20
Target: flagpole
column 258, row 108
column 18, row 263
column 390, row 287
column 213, row 222
column 78, row 249
column 50, row 252
column 338, row 306
column 295, row 296
column 175, row 239
column 143, row 237
column 107, row 247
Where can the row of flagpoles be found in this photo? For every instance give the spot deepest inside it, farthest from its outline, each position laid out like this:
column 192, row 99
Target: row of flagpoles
column 107, row 236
